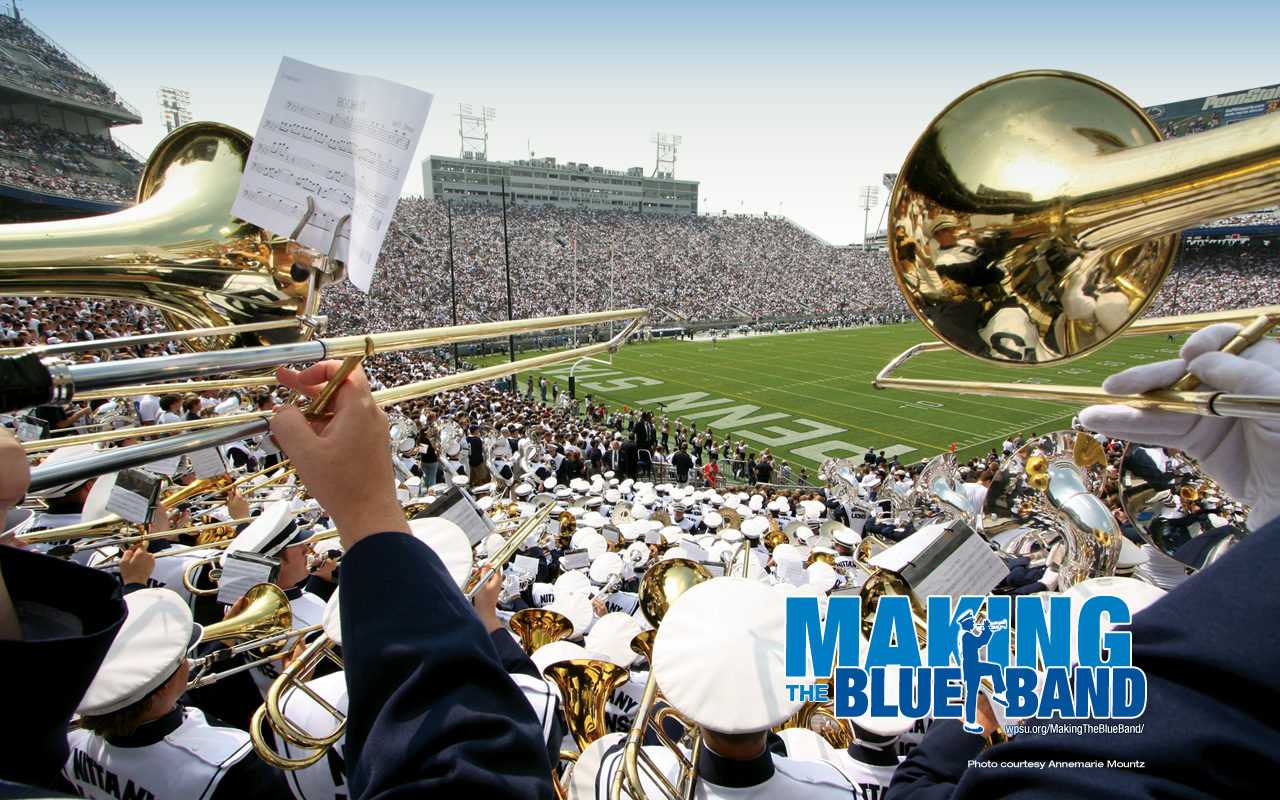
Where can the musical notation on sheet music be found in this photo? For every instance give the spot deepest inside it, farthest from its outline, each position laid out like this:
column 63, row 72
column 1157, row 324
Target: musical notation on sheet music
column 323, row 220
column 344, row 141
column 394, row 138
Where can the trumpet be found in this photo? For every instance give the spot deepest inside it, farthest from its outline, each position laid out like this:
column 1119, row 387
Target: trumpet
column 1071, row 233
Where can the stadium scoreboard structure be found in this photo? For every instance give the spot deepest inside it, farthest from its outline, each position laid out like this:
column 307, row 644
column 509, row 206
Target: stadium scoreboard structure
column 542, row 181
column 1190, row 117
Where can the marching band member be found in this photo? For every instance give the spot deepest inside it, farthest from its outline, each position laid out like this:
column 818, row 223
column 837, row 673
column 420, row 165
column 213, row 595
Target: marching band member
column 273, row 533
column 134, row 740
column 1210, row 675
column 431, row 706
column 718, row 659
column 55, row 617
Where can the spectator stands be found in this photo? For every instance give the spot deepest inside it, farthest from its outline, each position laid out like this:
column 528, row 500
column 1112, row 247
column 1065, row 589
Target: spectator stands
column 30, row 59
column 65, row 163
column 57, row 157
column 681, row 268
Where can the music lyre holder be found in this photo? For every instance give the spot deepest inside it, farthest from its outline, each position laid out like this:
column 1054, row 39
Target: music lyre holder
column 330, row 269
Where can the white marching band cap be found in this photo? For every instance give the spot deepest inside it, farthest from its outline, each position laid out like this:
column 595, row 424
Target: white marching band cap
column 821, row 575
column 492, row 544
column 555, row 652
column 605, row 566
column 449, row 542
column 270, row 532
column 712, row 519
column 755, row 527
column 611, row 637
column 846, row 537
column 572, row 581
column 152, row 643
column 720, row 656
column 596, row 546
column 56, row 457
column 577, row 608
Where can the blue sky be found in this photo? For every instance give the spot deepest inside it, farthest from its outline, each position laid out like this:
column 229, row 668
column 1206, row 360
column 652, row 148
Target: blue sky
column 794, row 103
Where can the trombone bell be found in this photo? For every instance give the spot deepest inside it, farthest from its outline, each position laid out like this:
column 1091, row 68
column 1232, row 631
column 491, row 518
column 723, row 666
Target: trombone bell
column 179, row 249
column 1037, row 216
column 1030, row 224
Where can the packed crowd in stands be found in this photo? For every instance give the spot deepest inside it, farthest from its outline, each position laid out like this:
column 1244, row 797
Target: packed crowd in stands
column 1220, row 277
column 57, row 161
column 1269, row 216
column 683, row 269
column 60, row 76
column 68, row 187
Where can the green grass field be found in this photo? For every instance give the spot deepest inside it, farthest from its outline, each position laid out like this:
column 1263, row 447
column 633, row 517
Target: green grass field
column 808, row 396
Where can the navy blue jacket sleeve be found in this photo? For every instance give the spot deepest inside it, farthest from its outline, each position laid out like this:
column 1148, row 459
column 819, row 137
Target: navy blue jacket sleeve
column 1209, row 729
column 512, row 656
column 35, row 751
column 431, row 708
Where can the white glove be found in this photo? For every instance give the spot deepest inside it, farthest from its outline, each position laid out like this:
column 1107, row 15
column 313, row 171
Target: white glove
column 1241, row 454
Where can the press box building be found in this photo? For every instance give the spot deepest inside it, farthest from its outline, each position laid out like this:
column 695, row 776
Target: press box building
column 542, row 181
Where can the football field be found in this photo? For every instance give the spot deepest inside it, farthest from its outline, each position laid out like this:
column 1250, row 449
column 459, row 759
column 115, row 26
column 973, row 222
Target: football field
column 808, row 396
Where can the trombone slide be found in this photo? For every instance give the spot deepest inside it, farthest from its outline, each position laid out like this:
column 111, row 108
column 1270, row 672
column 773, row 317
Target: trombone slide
column 86, row 467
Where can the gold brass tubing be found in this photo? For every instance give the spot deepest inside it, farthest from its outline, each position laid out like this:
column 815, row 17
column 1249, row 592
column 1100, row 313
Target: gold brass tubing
column 343, row 346
column 128, row 542
column 1249, row 335
column 1164, row 400
column 1186, row 323
column 349, row 364
column 410, row 391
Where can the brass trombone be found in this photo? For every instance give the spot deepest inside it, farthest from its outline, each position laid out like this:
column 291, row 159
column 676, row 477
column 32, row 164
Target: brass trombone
column 1054, row 231
column 272, row 710
column 265, row 625
column 509, row 547
column 233, row 428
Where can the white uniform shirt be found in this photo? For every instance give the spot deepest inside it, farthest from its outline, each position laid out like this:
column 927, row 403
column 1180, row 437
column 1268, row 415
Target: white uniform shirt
column 790, row 779
column 187, row 764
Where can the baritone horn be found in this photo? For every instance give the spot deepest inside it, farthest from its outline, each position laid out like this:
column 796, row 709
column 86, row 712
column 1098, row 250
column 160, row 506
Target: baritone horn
column 1038, row 215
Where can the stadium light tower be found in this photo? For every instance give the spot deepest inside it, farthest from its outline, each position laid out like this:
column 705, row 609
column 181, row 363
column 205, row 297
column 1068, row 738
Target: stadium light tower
column 868, row 195
column 667, row 144
column 474, row 130
column 175, row 106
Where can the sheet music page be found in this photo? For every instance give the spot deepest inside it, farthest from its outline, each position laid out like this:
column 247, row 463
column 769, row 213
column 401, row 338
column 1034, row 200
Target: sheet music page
column 345, row 140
